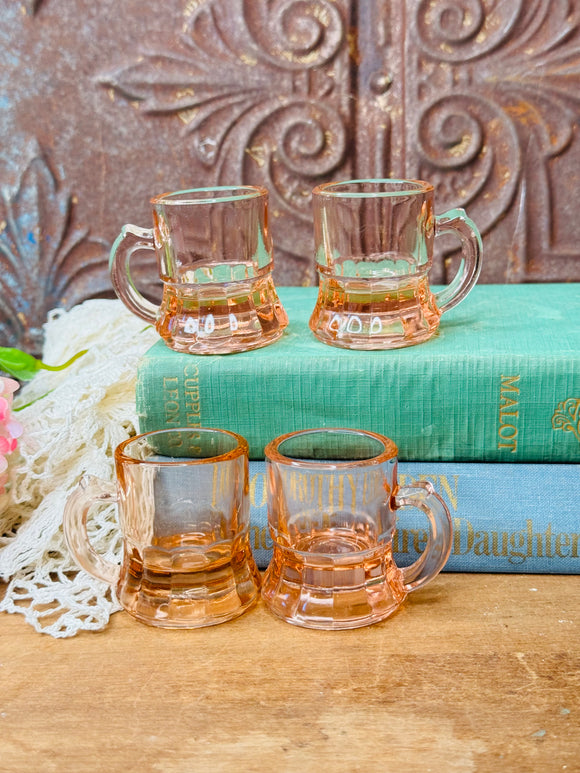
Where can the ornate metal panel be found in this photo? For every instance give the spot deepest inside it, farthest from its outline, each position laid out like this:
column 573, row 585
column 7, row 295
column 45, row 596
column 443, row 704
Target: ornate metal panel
column 491, row 108
column 103, row 105
column 263, row 92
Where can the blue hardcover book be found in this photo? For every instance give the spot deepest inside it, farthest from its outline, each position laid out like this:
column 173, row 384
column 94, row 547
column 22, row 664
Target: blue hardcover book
column 521, row 518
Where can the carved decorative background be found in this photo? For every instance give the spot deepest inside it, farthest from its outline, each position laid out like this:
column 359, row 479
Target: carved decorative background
column 266, row 101
column 103, row 105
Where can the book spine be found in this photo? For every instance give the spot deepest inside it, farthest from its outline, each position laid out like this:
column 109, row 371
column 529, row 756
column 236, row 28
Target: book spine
column 444, row 410
column 521, row 518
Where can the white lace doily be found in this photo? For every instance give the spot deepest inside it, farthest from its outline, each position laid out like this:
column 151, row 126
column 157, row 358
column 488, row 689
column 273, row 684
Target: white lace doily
column 73, row 421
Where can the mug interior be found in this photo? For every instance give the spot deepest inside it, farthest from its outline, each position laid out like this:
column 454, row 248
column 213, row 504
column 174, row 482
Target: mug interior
column 332, row 445
column 182, row 446
column 211, row 195
column 373, row 188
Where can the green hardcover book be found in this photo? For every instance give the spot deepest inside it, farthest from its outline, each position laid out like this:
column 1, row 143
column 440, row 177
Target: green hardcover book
column 499, row 382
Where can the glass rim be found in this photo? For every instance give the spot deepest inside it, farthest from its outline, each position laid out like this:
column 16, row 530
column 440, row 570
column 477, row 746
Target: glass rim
column 222, row 194
column 273, row 454
column 333, row 189
column 240, row 449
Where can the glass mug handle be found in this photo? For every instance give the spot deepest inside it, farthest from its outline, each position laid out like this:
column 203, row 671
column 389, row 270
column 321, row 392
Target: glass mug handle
column 456, row 221
column 131, row 239
column 90, row 491
column 432, row 560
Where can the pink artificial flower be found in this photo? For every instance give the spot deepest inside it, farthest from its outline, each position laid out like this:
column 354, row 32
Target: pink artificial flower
column 10, row 429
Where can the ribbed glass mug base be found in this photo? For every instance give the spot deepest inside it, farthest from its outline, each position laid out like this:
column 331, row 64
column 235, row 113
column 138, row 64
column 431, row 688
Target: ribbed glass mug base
column 332, row 592
column 175, row 589
column 221, row 318
column 374, row 314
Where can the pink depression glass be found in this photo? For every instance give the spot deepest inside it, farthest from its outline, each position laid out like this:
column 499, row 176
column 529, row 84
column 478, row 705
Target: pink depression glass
column 332, row 502
column 214, row 254
column 183, row 509
column 374, row 249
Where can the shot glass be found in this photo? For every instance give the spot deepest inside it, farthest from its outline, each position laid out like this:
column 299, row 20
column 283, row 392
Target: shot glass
column 183, row 512
column 215, row 258
column 332, row 502
column 374, row 250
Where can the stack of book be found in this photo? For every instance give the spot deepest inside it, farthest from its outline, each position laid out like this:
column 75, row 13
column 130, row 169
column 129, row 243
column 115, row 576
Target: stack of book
column 488, row 411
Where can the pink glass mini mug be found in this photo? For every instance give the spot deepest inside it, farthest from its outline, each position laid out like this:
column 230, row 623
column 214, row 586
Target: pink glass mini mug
column 333, row 497
column 183, row 508
column 374, row 249
column 214, row 254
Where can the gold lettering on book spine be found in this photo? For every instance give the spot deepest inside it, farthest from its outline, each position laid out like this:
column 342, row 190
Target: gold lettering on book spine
column 258, row 490
column 516, row 546
column 508, row 413
column 171, row 401
column 191, row 396
column 328, row 493
column 260, row 538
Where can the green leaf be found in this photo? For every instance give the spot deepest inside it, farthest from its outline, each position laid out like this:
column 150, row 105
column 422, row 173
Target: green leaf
column 19, row 364
column 24, row 366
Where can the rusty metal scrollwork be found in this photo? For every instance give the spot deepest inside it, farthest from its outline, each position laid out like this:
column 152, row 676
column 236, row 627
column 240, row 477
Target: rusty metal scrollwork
column 45, row 260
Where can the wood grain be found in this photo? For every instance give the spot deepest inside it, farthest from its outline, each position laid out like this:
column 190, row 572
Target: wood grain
column 474, row 673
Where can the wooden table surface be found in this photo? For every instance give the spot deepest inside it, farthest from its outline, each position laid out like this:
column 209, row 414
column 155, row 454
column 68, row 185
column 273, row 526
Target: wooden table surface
column 474, row 673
